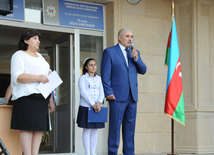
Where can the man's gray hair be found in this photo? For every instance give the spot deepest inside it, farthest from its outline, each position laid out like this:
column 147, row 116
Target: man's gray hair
column 121, row 32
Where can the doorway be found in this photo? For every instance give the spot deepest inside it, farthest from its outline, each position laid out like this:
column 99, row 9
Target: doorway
column 62, row 126
column 59, row 139
column 58, row 50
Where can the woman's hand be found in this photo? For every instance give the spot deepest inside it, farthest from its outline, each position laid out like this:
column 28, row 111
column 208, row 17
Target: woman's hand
column 95, row 107
column 51, row 105
column 98, row 106
column 43, row 78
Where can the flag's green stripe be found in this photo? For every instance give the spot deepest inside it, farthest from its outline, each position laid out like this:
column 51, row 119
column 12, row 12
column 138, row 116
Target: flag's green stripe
column 179, row 111
column 167, row 56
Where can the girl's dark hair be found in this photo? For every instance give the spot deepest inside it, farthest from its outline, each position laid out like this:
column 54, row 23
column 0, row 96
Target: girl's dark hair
column 84, row 70
column 26, row 35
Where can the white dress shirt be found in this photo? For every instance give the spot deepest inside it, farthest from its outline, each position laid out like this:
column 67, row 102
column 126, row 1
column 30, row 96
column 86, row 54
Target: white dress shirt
column 123, row 49
column 22, row 62
column 91, row 90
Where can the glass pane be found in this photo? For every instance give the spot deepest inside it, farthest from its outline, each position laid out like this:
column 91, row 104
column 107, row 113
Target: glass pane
column 91, row 46
column 47, row 137
column 62, row 120
column 62, row 68
column 63, row 96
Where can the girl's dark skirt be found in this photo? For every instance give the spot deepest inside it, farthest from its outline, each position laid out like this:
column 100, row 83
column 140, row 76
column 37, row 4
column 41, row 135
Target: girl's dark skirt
column 82, row 118
column 30, row 113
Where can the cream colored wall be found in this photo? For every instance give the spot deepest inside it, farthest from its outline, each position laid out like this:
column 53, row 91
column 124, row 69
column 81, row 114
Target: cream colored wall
column 150, row 22
column 196, row 26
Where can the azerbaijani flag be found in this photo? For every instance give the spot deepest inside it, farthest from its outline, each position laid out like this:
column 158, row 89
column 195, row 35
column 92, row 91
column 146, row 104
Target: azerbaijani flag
column 174, row 101
column 168, row 49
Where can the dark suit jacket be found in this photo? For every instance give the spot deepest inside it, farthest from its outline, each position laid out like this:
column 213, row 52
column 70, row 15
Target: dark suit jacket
column 117, row 78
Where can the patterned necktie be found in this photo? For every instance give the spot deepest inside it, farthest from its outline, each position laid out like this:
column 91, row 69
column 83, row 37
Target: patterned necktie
column 127, row 55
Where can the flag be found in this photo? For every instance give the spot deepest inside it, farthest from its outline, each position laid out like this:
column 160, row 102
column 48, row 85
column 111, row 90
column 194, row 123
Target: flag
column 168, row 49
column 174, row 101
column 54, row 96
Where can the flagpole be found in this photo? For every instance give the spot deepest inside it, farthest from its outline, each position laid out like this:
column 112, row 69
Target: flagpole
column 172, row 138
column 173, row 7
column 172, row 120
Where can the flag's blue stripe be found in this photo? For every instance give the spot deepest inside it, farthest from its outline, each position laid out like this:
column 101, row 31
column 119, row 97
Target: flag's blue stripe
column 174, row 54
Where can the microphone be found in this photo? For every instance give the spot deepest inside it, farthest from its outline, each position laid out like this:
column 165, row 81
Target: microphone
column 132, row 47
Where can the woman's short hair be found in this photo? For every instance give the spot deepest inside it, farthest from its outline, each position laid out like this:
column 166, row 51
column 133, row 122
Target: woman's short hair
column 85, row 63
column 26, row 35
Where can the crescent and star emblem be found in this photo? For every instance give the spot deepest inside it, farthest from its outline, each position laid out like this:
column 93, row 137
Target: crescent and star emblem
column 178, row 64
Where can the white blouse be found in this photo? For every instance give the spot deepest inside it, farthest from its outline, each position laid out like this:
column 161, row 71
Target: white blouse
column 22, row 62
column 91, row 90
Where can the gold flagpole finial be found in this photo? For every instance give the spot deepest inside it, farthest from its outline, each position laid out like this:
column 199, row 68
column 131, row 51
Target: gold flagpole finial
column 173, row 7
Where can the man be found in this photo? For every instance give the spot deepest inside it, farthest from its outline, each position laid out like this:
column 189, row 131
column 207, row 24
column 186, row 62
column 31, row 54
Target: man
column 119, row 68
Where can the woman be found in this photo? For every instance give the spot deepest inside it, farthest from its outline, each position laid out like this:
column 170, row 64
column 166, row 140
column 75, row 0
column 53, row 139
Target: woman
column 30, row 109
column 92, row 95
column 8, row 93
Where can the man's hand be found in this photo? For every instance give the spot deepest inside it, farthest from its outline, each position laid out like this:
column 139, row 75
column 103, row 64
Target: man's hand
column 134, row 54
column 111, row 97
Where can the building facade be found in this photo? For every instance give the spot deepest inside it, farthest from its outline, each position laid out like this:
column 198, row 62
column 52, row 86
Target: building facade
column 65, row 48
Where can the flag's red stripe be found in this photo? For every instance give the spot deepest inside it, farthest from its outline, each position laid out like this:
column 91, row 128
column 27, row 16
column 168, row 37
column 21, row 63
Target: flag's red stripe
column 174, row 91
column 169, row 40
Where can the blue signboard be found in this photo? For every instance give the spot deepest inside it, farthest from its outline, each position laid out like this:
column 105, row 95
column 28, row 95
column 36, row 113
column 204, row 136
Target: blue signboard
column 82, row 15
column 18, row 11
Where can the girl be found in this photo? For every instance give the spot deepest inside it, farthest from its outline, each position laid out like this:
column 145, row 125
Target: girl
column 92, row 95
